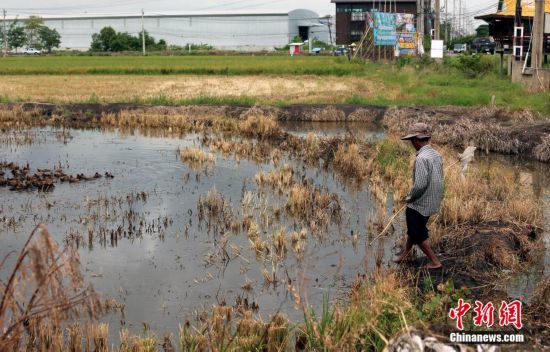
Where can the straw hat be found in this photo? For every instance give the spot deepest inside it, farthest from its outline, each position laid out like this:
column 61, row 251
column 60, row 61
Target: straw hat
column 418, row 130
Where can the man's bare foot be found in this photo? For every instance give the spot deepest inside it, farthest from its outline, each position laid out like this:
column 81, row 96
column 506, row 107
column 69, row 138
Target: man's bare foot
column 430, row 266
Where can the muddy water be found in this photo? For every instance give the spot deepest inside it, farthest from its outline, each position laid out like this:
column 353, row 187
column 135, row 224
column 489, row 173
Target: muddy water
column 166, row 265
column 333, row 129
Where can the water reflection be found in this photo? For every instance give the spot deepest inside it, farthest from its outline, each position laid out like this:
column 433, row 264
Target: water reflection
column 140, row 239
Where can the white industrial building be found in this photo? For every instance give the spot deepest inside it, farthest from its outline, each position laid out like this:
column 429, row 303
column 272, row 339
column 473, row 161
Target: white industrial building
column 245, row 31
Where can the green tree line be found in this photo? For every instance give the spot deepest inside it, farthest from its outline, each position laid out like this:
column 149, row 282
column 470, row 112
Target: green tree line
column 31, row 33
column 109, row 40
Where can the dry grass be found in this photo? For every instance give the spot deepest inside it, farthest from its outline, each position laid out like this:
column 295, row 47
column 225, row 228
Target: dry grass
column 44, row 290
column 180, row 119
column 489, row 129
column 260, row 126
column 280, row 243
column 279, row 179
column 313, row 206
column 480, row 197
column 377, row 310
column 542, row 151
column 257, row 151
column 17, row 117
column 196, row 158
column 483, row 251
column 121, row 88
column 217, row 211
column 350, row 162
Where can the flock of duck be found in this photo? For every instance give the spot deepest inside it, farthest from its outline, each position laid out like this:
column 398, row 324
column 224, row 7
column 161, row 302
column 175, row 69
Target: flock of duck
column 43, row 179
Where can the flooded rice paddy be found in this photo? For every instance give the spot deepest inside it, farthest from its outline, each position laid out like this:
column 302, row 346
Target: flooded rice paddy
column 164, row 240
column 147, row 237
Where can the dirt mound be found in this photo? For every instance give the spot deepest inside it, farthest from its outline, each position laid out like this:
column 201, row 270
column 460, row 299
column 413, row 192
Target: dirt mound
column 474, row 255
column 490, row 129
column 478, row 251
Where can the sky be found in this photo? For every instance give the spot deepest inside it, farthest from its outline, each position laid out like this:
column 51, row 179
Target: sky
column 76, row 7
column 323, row 7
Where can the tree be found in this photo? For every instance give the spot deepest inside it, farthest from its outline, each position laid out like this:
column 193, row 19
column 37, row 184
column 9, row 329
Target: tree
column 162, row 45
column 49, row 38
column 103, row 41
column 482, row 30
column 32, row 27
column 16, row 36
column 109, row 40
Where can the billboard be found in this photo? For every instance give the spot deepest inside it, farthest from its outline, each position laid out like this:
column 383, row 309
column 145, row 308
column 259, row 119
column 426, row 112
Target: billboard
column 547, row 23
column 406, row 34
column 407, row 44
column 395, row 29
column 404, row 23
column 384, row 29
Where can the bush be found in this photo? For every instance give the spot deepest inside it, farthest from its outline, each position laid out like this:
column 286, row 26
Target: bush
column 472, row 66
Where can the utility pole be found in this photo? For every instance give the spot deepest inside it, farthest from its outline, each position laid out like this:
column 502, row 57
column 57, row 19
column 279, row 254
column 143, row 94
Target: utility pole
column 329, row 23
column 142, row 32
column 418, row 26
column 4, row 35
column 421, row 19
column 454, row 19
column 437, row 20
column 447, row 27
column 460, row 18
column 538, row 35
column 518, row 32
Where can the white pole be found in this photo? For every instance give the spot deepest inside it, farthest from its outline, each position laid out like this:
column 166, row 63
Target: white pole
column 5, row 36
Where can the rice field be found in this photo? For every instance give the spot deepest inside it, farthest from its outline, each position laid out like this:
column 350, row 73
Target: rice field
column 169, row 65
column 209, row 232
column 383, row 85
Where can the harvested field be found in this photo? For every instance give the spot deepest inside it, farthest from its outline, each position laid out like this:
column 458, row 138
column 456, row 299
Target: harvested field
column 186, row 90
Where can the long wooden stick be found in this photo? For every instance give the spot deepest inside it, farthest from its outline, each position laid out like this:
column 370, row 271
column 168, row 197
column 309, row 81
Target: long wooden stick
column 389, row 224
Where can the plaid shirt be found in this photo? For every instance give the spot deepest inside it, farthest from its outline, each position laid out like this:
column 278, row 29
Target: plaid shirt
column 427, row 192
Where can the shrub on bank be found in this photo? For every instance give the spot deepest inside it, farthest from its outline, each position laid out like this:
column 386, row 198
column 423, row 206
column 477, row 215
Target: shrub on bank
column 472, row 66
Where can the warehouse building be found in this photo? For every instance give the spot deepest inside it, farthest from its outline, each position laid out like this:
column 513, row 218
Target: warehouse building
column 244, row 31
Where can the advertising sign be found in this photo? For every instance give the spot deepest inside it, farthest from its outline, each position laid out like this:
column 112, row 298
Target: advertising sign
column 404, row 23
column 384, row 29
column 407, row 44
column 406, row 34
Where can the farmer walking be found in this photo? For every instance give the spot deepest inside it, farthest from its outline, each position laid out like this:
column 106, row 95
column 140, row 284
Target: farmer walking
column 426, row 195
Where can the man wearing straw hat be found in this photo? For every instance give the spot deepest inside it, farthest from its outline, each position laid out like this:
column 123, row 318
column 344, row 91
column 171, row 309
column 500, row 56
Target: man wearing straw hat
column 426, row 195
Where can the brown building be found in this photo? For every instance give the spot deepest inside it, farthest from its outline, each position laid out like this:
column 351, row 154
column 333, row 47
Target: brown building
column 351, row 16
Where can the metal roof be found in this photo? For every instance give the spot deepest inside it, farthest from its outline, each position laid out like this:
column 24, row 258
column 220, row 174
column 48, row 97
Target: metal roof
column 509, row 9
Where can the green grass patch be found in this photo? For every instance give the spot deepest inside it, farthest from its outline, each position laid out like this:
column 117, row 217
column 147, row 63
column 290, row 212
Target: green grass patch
column 393, row 156
column 169, row 65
